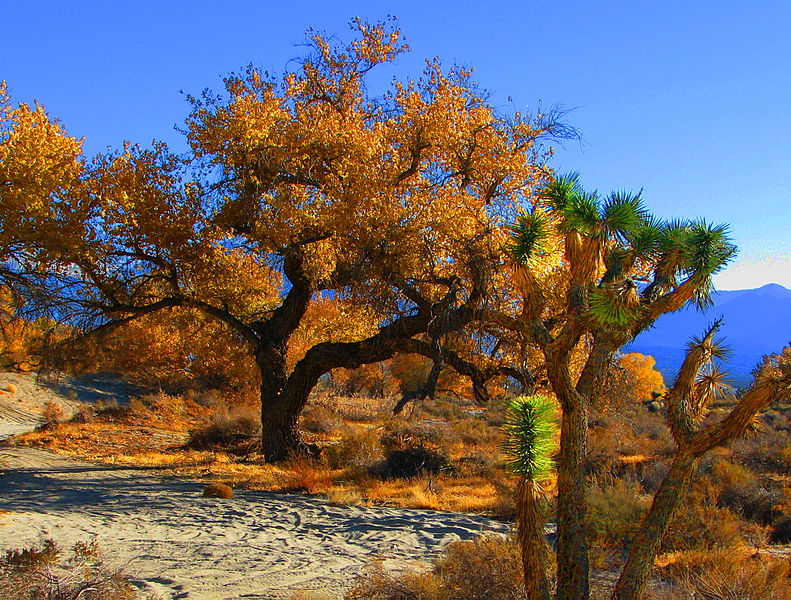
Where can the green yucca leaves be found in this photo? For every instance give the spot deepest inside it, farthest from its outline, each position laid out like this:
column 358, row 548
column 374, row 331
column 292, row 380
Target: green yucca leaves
column 710, row 248
column 529, row 237
column 615, row 306
column 562, row 190
column 531, row 429
column 622, row 214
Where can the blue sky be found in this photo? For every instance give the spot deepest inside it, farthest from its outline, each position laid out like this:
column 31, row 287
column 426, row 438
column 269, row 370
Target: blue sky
column 688, row 100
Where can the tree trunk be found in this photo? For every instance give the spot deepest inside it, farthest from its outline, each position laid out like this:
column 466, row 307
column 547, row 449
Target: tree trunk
column 530, row 530
column 572, row 555
column 280, row 436
column 652, row 529
column 280, row 407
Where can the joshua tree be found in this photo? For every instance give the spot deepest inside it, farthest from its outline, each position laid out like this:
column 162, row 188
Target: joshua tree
column 594, row 273
column 531, row 430
column 698, row 381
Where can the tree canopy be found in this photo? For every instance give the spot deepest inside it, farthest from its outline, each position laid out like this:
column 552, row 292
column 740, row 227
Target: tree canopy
column 298, row 191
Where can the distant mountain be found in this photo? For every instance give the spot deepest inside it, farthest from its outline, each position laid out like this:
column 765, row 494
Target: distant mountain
column 755, row 322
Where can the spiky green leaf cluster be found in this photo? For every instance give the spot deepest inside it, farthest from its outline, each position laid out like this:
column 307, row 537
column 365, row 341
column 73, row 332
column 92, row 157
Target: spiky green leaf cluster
column 531, row 428
column 529, row 237
column 615, row 305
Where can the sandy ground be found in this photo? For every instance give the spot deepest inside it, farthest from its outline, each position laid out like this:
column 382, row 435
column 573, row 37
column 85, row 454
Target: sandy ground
column 178, row 544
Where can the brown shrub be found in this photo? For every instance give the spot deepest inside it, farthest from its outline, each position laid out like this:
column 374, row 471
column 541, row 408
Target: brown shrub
column 743, row 492
column 48, row 573
column 235, row 430
column 413, row 462
column 374, row 583
column 11, row 388
column 489, row 568
column 731, row 574
column 304, row 474
column 218, row 490
column 52, row 412
column 400, row 434
column 320, row 419
column 358, row 449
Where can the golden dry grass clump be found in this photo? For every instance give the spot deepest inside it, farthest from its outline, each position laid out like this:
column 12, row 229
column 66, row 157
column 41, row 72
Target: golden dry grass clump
column 218, row 490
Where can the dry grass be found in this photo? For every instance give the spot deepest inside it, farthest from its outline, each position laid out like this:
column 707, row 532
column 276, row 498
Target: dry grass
column 52, row 574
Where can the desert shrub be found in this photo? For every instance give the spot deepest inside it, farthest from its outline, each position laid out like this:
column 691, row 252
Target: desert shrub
column 342, row 497
column 374, row 583
column 731, row 574
column 218, row 490
column 743, row 493
column 413, row 462
column 305, row 474
column 358, row 449
column 614, row 513
column 401, row 435
column 488, row 568
column 318, row 418
column 441, row 408
column 52, row 412
column 699, row 524
column 781, row 532
column 47, row 573
column 476, row 432
column 84, row 414
column 114, row 413
column 768, row 452
column 235, row 430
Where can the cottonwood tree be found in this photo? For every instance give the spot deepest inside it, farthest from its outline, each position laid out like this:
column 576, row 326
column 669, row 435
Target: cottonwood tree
column 296, row 190
column 622, row 269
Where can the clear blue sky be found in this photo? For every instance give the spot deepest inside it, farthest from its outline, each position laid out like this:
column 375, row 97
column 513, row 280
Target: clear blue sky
column 688, row 100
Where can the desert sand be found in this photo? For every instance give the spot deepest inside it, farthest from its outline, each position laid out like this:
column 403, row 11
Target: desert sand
column 174, row 542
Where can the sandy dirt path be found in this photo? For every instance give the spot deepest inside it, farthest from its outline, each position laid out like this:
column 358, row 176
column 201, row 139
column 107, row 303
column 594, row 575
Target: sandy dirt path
column 178, row 544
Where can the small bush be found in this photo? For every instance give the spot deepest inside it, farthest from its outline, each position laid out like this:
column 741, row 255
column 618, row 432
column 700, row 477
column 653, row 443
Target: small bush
column 374, row 583
column 304, row 474
column 11, row 388
column 401, row 435
column 47, row 573
column 84, row 414
column 781, row 532
column 614, row 513
column 742, row 492
column 52, row 412
column 218, row 490
column 320, row 419
column 699, row 524
column 358, row 449
column 731, row 574
column 235, row 430
column 413, row 462
column 490, row 568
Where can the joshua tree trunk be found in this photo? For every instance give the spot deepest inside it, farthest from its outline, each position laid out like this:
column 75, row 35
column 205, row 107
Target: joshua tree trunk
column 529, row 526
column 653, row 528
column 572, row 555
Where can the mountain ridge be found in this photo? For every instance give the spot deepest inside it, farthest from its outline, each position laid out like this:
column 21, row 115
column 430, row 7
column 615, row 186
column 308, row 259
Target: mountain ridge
column 755, row 322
